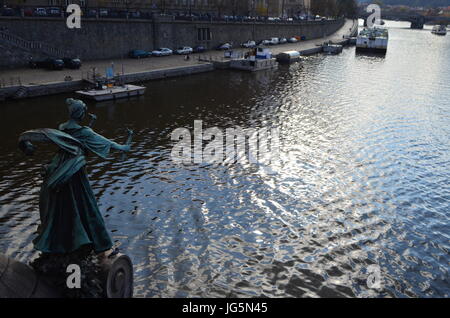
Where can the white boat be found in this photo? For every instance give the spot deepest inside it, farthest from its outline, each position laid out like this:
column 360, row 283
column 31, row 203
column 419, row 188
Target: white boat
column 257, row 60
column 332, row 48
column 373, row 40
column 439, row 29
column 352, row 40
column 112, row 92
column 289, row 57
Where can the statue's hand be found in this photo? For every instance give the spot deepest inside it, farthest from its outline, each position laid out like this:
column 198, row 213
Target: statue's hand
column 44, row 171
column 92, row 119
column 27, row 147
column 125, row 148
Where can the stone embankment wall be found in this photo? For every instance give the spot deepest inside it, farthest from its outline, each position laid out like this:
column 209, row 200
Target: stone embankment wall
column 104, row 39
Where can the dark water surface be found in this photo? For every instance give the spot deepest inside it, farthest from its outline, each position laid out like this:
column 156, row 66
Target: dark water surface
column 364, row 178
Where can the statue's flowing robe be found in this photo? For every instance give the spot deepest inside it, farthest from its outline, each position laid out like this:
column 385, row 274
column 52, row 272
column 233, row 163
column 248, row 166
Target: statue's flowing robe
column 70, row 217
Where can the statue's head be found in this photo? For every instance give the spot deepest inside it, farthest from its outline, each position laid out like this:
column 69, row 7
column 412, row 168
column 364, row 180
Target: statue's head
column 77, row 109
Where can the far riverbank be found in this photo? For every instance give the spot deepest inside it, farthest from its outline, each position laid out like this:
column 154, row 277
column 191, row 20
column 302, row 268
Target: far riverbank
column 25, row 82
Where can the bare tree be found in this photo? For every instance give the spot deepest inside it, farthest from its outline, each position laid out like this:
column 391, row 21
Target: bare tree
column 221, row 4
column 319, row 7
column 347, row 8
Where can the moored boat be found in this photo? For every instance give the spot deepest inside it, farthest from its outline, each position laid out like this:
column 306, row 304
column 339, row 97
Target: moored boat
column 373, row 40
column 439, row 29
column 289, row 57
column 112, row 92
column 332, row 48
column 256, row 60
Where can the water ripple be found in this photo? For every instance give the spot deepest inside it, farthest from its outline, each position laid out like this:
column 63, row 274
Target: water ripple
column 362, row 180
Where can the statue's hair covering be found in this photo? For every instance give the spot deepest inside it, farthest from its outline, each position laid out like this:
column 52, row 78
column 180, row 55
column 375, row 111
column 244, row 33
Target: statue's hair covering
column 77, row 108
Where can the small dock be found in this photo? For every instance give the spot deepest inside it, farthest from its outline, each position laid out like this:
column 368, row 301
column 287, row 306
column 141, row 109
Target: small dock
column 254, row 65
column 114, row 92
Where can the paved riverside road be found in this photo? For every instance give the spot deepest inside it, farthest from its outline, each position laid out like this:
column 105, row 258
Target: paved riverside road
column 40, row 76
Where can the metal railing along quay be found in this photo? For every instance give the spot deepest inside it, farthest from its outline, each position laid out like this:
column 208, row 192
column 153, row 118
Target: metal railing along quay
column 31, row 45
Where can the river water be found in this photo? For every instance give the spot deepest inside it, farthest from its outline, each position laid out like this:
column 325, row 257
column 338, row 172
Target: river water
column 362, row 184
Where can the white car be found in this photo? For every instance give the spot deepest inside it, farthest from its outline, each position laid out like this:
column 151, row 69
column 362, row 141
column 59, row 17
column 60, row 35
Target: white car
column 293, row 40
column 283, row 41
column 40, row 11
column 274, row 41
column 249, row 44
column 265, row 42
column 184, row 50
column 162, row 52
column 103, row 13
column 225, row 46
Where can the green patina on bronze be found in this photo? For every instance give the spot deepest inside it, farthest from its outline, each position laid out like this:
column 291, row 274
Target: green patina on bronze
column 70, row 217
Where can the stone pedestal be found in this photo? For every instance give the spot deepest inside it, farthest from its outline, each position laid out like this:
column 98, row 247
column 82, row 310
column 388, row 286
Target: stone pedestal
column 18, row 280
column 117, row 276
column 108, row 277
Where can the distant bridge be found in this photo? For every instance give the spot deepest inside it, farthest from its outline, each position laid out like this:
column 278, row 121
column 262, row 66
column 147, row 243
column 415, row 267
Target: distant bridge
column 417, row 20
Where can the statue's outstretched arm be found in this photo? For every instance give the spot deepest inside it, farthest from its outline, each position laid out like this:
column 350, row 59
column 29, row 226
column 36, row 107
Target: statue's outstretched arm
column 92, row 119
column 47, row 135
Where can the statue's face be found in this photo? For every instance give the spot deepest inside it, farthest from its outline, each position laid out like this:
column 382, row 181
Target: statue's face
column 84, row 111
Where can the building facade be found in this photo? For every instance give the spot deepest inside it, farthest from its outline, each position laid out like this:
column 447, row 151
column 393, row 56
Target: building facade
column 273, row 8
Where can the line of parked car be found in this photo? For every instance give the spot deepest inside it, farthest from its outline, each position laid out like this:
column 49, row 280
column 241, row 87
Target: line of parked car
column 236, row 18
column 163, row 51
column 56, row 63
column 137, row 14
column 59, row 12
column 32, row 12
column 272, row 41
column 75, row 63
column 186, row 50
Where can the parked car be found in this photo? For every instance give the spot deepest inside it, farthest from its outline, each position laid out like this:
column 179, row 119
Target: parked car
column 135, row 14
column 103, row 13
column 28, row 12
column 274, row 41
column 137, row 54
column 72, row 63
column 183, row 50
column 123, row 14
column 8, row 11
column 92, row 13
column 49, row 63
column 224, row 47
column 293, row 40
column 40, row 12
column 283, row 41
column 265, row 42
column 199, row 49
column 249, row 44
column 54, row 12
column 162, row 52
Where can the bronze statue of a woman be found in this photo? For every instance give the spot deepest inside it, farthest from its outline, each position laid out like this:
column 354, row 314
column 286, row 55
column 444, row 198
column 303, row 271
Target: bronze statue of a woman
column 70, row 217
